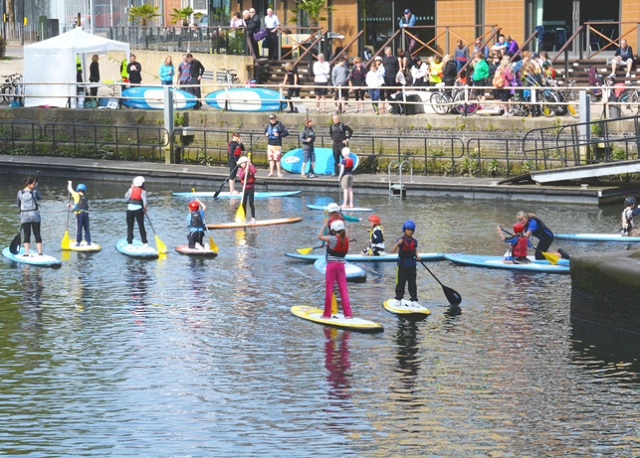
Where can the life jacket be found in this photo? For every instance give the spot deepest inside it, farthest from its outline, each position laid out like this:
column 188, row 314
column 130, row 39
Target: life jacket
column 333, row 218
column 136, row 196
column 380, row 244
column 341, row 248
column 124, row 73
column 521, row 247
column 27, row 201
column 82, row 205
column 541, row 230
column 407, row 247
column 348, row 165
column 196, row 220
column 233, row 147
column 249, row 176
column 628, row 221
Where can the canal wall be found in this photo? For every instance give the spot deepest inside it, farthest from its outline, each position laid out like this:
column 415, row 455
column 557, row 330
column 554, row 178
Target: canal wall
column 606, row 289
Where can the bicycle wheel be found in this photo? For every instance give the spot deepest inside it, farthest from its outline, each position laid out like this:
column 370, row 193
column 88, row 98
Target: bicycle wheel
column 4, row 99
column 471, row 105
column 629, row 103
column 548, row 107
column 439, row 102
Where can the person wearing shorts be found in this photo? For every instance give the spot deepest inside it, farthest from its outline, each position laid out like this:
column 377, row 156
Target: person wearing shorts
column 274, row 132
column 321, row 73
column 307, row 138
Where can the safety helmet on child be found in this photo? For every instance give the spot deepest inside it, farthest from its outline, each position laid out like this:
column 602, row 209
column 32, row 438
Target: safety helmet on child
column 242, row 160
column 408, row 224
column 346, row 151
column 337, row 226
column 81, row 187
column 138, row 181
column 518, row 228
column 630, row 202
column 333, row 207
column 194, row 206
column 375, row 219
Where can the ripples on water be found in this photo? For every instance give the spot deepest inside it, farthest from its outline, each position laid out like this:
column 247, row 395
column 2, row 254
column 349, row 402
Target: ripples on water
column 110, row 356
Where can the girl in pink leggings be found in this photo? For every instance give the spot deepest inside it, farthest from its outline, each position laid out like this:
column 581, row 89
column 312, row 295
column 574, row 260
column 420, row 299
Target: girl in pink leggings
column 337, row 248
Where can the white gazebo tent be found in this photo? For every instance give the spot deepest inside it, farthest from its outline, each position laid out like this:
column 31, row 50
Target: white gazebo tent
column 50, row 66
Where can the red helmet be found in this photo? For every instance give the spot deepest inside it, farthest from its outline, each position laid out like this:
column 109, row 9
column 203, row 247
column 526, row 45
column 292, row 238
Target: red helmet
column 518, row 228
column 375, row 219
column 194, row 206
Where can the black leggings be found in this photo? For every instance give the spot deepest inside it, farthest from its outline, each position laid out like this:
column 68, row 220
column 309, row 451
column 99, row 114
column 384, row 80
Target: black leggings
column 136, row 215
column 543, row 245
column 406, row 275
column 249, row 195
column 27, row 227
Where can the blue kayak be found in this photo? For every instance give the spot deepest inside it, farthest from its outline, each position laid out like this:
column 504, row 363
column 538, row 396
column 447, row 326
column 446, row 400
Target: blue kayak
column 292, row 161
column 246, row 99
column 362, row 258
column 33, row 259
column 354, row 273
column 354, row 209
column 136, row 250
column 597, row 238
column 226, row 195
column 152, row 98
column 496, row 262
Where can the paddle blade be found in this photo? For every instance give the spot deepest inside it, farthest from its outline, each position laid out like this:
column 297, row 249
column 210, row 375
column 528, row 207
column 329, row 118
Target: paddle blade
column 162, row 248
column 453, row 296
column 552, row 258
column 14, row 247
column 304, row 250
column 334, row 304
column 212, row 244
column 65, row 241
column 240, row 215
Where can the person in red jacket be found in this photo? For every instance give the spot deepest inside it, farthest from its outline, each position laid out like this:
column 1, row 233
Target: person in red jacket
column 337, row 248
column 519, row 245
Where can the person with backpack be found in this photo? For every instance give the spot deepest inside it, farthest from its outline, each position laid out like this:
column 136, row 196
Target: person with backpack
column 234, row 151
column 503, row 81
column 28, row 199
column 340, row 134
column 275, row 132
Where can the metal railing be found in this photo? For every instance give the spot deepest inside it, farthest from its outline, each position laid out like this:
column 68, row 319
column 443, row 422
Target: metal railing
column 19, row 137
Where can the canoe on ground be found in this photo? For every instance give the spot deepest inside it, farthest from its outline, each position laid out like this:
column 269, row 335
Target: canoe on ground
column 83, row 247
column 597, row 238
column 246, row 99
column 152, row 98
column 226, row 195
column 259, row 223
column 205, row 252
column 354, row 209
column 354, row 273
column 406, row 308
column 136, row 250
column 324, row 165
column 337, row 320
column 362, row 258
column 496, row 262
column 33, row 259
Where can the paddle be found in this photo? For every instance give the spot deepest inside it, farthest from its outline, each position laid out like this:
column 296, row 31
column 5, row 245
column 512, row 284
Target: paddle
column 65, row 245
column 453, row 296
column 241, row 215
column 308, row 250
column 212, row 244
column 14, row 246
column 234, row 169
column 552, row 258
column 162, row 248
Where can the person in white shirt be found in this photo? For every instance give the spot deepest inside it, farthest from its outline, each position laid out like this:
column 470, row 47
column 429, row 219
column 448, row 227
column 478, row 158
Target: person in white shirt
column 419, row 72
column 271, row 23
column 375, row 80
column 321, row 72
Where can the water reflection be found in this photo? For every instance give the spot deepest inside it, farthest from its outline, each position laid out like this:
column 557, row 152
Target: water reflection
column 407, row 355
column 138, row 282
column 31, row 302
column 336, row 361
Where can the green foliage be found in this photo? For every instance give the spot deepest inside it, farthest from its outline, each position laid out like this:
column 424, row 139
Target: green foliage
column 182, row 16
column 178, row 120
column 618, row 154
column 493, row 168
column 369, row 164
column 596, row 129
column 143, row 14
column 315, row 10
column 468, row 167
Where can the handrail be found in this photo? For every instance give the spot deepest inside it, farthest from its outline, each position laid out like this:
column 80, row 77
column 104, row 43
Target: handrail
column 612, row 42
column 300, row 44
column 320, row 36
column 381, row 49
column 345, row 48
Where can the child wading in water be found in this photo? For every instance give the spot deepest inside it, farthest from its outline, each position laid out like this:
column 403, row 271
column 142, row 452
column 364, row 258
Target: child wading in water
column 81, row 209
column 407, row 249
column 337, row 248
column 196, row 224
column 519, row 245
column 376, row 238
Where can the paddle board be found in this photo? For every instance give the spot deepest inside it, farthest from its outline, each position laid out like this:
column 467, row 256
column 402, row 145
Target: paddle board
column 354, row 209
column 226, row 195
column 152, row 98
column 259, row 223
column 363, row 258
column 405, row 308
column 354, row 273
column 84, row 247
column 496, row 262
column 292, row 161
column 246, row 99
column 136, row 250
column 34, row 258
column 206, row 252
column 597, row 238
column 338, row 320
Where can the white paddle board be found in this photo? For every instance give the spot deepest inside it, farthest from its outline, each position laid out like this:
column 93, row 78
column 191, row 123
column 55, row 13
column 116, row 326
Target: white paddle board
column 83, row 246
column 34, row 258
column 337, row 320
column 136, row 250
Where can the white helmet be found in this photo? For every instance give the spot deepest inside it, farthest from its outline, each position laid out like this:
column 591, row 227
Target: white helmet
column 346, row 151
column 333, row 207
column 337, row 225
column 242, row 160
column 138, row 181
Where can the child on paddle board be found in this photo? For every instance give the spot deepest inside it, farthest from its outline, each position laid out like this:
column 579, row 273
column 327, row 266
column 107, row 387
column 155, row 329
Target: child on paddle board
column 81, row 209
column 196, row 224
column 337, row 248
column 136, row 209
column 28, row 199
column 247, row 171
column 346, row 178
column 629, row 213
column 407, row 249
column 533, row 226
column 234, row 150
column 376, row 238
column 334, row 213
column 519, row 245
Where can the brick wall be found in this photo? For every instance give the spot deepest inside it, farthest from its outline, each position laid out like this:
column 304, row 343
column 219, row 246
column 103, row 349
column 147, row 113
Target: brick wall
column 509, row 14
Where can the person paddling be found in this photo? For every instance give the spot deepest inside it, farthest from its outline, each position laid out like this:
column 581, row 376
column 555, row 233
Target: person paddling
column 136, row 209
column 247, row 172
column 519, row 245
column 81, row 209
column 337, row 249
column 533, row 226
column 28, row 199
column 407, row 249
column 234, row 151
column 196, row 224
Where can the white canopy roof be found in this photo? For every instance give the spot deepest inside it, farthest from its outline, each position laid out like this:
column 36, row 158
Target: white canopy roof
column 52, row 62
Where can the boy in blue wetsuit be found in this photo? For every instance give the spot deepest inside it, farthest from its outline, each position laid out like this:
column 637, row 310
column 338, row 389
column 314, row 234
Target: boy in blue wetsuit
column 519, row 245
column 407, row 249
column 81, row 209
column 196, row 224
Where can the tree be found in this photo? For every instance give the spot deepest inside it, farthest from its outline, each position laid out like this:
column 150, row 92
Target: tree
column 11, row 11
column 182, row 16
column 143, row 13
column 316, row 11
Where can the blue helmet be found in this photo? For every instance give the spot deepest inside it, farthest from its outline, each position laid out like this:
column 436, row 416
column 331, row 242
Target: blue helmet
column 630, row 202
column 81, row 187
column 408, row 224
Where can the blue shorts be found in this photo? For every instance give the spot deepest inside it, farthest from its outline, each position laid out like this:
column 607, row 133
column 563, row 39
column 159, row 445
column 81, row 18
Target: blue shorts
column 308, row 155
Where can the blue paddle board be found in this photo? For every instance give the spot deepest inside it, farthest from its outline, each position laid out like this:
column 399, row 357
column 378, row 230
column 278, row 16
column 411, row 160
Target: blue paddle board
column 152, row 98
column 354, row 273
column 136, row 250
column 34, row 258
column 496, row 262
column 337, row 320
column 354, row 209
column 362, row 258
column 226, row 195
column 245, row 99
column 597, row 238
column 292, row 161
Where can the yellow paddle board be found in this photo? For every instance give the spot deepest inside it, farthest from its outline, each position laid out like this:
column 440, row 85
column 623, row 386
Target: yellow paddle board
column 337, row 320
column 405, row 308
column 84, row 246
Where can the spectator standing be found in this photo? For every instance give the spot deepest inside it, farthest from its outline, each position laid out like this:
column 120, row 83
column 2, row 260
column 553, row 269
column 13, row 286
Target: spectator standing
column 94, row 75
column 391, row 66
column 236, row 30
column 271, row 23
column 340, row 78
column 461, row 54
column 435, row 71
column 321, row 72
column 307, row 138
column 253, row 25
column 184, row 72
column 358, row 83
column 375, row 80
column 623, row 56
column 480, row 74
column 449, row 72
column 503, row 81
column 274, row 132
column 166, row 72
column 290, row 81
column 196, row 70
column 340, row 134
column 408, row 20
column 479, row 46
column 134, row 70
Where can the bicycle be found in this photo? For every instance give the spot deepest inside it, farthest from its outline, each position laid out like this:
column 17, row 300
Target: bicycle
column 629, row 102
column 445, row 101
column 11, row 89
